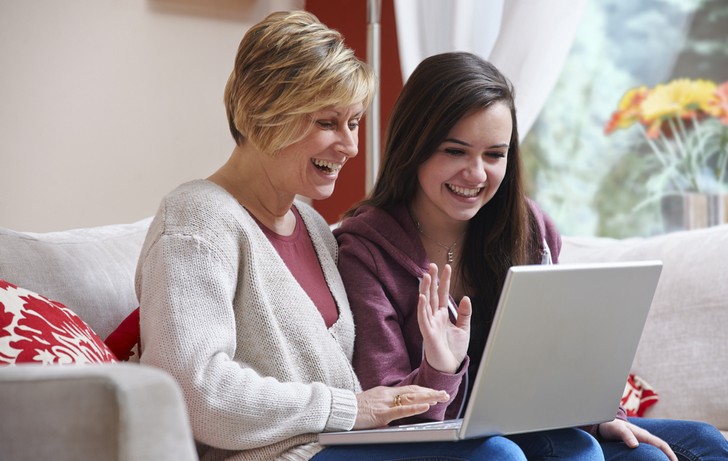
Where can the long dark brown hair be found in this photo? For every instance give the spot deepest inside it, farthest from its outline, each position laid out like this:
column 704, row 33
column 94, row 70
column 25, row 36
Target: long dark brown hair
column 442, row 90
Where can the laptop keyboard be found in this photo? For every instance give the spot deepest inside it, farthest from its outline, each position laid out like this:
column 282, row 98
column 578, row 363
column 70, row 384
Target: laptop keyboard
column 448, row 424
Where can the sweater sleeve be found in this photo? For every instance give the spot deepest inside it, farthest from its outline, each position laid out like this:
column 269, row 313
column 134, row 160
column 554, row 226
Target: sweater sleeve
column 381, row 351
column 187, row 288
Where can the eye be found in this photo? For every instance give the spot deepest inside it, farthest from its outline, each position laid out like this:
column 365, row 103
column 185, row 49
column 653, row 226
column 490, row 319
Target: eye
column 353, row 124
column 496, row 154
column 326, row 124
column 453, row 151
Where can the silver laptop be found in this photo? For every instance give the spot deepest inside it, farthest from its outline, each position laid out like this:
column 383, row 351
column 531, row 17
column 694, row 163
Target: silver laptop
column 558, row 354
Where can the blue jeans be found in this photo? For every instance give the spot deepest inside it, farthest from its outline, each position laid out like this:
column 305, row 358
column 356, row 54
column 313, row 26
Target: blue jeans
column 564, row 444
column 690, row 440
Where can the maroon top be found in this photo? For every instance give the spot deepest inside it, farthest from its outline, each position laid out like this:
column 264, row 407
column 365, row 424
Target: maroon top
column 298, row 253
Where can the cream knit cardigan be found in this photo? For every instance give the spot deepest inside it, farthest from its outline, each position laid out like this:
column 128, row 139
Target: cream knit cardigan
column 260, row 371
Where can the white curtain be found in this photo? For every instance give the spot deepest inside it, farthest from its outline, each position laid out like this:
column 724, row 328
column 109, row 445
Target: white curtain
column 528, row 40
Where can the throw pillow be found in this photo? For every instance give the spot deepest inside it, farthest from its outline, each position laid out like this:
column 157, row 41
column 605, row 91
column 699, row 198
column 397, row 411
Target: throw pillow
column 35, row 329
column 125, row 341
column 638, row 396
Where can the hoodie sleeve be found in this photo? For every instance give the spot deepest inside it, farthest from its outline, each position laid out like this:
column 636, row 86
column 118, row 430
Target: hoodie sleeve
column 384, row 354
column 552, row 237
column 549, row 232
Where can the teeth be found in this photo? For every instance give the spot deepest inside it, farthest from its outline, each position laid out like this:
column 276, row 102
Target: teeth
column 464, row 191
column 324, row 165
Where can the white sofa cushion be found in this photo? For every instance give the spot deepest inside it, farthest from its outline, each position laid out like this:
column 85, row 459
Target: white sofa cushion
column 90, row 271
column 683, row 352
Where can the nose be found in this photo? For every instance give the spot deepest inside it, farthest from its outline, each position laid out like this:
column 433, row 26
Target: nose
column 348, row 143
column 475, row 171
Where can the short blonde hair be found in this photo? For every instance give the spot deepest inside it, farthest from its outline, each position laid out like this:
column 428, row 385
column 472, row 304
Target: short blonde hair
column 288, row 67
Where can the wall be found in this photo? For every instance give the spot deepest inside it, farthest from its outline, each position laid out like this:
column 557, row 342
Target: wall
column 109, row 104
column 351, row 20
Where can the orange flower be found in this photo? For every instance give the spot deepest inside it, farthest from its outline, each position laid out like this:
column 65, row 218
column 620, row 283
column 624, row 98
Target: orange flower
column 628, row 109
column 718, row 106
column 684, row 123
column 681, row 98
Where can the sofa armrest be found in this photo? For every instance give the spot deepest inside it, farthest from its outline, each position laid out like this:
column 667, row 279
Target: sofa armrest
column 119, row 412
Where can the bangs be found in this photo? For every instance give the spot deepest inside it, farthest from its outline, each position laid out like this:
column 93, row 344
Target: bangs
column 357, row 86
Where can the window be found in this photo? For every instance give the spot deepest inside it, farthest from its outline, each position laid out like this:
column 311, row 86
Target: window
column 591, row 183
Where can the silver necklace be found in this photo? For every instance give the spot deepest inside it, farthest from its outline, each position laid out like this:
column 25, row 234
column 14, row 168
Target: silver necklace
column 449, row 248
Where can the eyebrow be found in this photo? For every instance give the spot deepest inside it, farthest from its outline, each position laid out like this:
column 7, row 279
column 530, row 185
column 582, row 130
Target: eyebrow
column 463, row 143
column 339, row 114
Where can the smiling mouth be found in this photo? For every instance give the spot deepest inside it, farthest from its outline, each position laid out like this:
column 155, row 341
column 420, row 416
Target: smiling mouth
column 463, row 191
column 327, row 167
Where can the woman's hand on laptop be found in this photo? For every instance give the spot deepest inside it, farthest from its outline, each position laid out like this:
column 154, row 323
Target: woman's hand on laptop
column 445, row 343
column 632, row 436
column 381, row 405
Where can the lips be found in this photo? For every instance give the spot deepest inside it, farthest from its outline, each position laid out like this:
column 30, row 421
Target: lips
column 464, row 191
column 327, row 166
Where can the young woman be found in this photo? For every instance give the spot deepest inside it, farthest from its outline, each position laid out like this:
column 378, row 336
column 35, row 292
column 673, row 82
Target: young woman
column 450, row 192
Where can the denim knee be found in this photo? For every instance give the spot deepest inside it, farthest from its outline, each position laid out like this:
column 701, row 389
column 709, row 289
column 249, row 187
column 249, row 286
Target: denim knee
column 498, row 448
column 707, row 432
column 581, row 445
column 614, row 451
column 565, row 444
column 705, row 443
column 690, row 440
column 588, row 447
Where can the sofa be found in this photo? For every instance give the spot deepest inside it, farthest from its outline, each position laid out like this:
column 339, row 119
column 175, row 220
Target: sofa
column 683, row 351
column 111, row 411
column 122, row 410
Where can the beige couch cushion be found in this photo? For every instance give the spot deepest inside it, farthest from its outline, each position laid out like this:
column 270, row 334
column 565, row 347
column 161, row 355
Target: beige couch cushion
column 683, row 352
column 91, row 270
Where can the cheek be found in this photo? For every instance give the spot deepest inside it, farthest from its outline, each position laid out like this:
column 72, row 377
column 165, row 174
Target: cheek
column 433, row 173
column 424, row 175
column 502, row 173
column 496, row 175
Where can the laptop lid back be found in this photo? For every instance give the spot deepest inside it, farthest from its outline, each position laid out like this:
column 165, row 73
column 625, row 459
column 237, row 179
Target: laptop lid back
column 560, row 347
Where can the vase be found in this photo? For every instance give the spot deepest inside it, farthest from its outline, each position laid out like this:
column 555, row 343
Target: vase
column 693, row 210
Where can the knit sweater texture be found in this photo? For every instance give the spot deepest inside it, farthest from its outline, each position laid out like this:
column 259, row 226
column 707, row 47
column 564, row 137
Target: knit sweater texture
column 220, row 311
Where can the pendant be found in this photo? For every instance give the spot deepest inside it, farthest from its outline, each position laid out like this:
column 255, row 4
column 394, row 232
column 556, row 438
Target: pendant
column 450, row 255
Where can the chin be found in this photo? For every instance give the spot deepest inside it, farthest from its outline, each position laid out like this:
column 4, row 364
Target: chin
column 465, row 215
column 321, row 194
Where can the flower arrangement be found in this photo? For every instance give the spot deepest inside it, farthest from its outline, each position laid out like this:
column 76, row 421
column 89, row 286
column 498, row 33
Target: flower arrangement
column 685, row 123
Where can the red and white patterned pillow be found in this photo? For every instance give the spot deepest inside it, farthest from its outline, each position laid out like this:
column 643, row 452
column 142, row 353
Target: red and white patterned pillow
column 35, row 329
column 638, row 396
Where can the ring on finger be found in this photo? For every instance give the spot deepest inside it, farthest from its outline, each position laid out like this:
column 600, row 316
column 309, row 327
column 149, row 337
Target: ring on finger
column 397, row 401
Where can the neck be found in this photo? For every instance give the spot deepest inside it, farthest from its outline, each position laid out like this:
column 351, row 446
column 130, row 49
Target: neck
column 245, row 177
column 436, row 225
column 440, row 251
